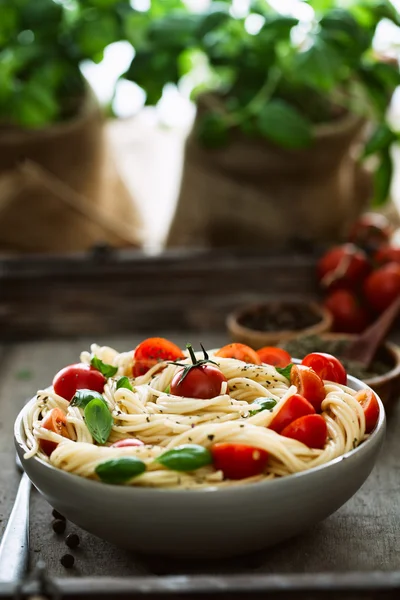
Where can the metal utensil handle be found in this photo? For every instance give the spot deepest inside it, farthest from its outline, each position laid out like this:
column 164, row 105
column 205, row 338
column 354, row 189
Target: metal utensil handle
column 14, row 547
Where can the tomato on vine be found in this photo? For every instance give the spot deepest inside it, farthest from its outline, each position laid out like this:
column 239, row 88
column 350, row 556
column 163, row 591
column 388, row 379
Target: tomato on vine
column 202, row 379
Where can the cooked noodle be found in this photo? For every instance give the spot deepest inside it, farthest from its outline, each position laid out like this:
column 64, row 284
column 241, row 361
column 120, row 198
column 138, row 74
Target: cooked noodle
column 164, row 421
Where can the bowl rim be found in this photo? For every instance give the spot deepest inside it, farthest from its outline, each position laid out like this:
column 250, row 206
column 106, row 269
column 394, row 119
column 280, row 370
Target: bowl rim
column 325, row 319
column 138, row 491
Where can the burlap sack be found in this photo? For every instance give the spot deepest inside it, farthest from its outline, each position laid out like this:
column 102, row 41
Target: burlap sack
column 255, row 194
column 60, row 190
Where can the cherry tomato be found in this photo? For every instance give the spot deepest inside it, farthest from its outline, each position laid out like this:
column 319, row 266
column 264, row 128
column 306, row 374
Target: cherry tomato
column 311, row 430
column 55, row 421
column 240, row 352
column 383, row 286
column 348, row 315
column 295, row 406
column 238, row 461
column 78, row 377
column 277, row 357
column 371, row 231
column 343, row 267
column 127, row 443
column 370, row 406
column 308, row 384
column 151, row 351
column 202, row 379
column 387, row 254
column 326, row 366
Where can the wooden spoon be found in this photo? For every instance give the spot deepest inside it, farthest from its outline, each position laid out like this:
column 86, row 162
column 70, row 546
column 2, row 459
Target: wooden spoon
column 364, row 347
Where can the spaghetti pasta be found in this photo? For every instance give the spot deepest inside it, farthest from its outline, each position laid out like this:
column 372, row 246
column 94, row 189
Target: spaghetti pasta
column 147, row 411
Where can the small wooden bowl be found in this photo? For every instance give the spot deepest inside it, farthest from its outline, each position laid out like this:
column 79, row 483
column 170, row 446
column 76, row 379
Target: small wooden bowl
column 257, row 339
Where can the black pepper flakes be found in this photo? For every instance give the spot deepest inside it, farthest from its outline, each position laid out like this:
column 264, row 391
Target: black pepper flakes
column 58, row 515
column 148, row 419
column 211, row 437
column 67, row 561
column 72, row 540
column 59, row 526
column 241, row 425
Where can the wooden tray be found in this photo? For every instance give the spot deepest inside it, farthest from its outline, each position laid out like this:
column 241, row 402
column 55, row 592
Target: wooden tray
column 51, row 308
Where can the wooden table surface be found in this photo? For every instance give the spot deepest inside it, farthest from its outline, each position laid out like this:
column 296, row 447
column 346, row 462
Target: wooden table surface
column 362, row 536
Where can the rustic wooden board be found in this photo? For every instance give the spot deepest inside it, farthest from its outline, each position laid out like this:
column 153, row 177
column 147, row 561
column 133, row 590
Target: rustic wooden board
column 362, row 537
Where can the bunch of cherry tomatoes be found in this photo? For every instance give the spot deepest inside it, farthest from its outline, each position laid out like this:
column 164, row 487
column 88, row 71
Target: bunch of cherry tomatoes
column 362, row 277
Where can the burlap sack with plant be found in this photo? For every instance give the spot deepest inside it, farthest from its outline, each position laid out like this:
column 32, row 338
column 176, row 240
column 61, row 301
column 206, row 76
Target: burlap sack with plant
column 60, row 190
column 256, row 194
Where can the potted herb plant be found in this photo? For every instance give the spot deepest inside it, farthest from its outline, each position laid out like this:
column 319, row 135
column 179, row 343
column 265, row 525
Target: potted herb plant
column 285, row 108
column 51, row 126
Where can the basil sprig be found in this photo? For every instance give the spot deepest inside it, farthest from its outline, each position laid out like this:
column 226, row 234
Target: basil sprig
column 167, row 390
column 188, row 457
column 106, row 370
column 83, row 397
column 120, row 470
column 262, row 404
column 285, row 371
column 98, row 420
column 123, row 382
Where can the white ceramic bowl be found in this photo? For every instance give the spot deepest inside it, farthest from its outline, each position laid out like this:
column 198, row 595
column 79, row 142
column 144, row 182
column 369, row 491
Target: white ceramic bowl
column 209, row 523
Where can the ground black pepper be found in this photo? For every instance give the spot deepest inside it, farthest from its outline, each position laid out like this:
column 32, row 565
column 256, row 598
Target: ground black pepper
column 67, row 561
column 72, row 540
column 59, row 526
column 57, row 515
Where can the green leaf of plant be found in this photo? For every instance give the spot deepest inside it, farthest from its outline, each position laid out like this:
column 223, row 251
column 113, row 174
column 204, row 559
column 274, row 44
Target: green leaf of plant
column 212, row 130
column 83, row 397
column 382, row 138
column 319, row 66
column 106, row 370
column 98, row 420
column 120, row 470
column 262, row 404
column 123, row 382
column 281, row 123
column 383, row 179
column 285, row 371
column 188, row 457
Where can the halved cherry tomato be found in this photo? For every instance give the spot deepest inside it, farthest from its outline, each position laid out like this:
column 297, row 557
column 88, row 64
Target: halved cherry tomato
column 348, row 314
column 326, row 366
column 387, row 254
column 295, row 406
column 278, row 357
column 55, row 421
column 128, row 442
column 343, row 267
column 308, row 384
column 240, row 352
column 311, row 430
column 201, row 379
column 239, row 461
column 382, row 287
column 78, row 377
column 152, row 351
column 370, row 406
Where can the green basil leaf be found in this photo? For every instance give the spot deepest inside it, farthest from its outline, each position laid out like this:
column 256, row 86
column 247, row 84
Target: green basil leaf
column 123, row 382
column 383, row 178
column 281, row 123
column 382, row 138
column 83, row 397
column 188, row 457
column 167, row 390
column 106, row 370
column 98, row 420
column 285, row 371
column 262, row 404
column 120, row 470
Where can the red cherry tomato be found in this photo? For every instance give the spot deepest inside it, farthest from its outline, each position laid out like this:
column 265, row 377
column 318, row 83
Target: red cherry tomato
column 311, row 430
column 308, row 384
column 238, row 461
column 55, row 421
column 348, row 315
column 371, row 231
column 240, row 352
column 277, row 357
column 383, row 286
column 129, row 442
column 78, row 377
column 295, row 406
column 343, row 267
column 326, row 366
column 151, row 351
column 370, row 406
column 387, row 254
column 202, row 382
